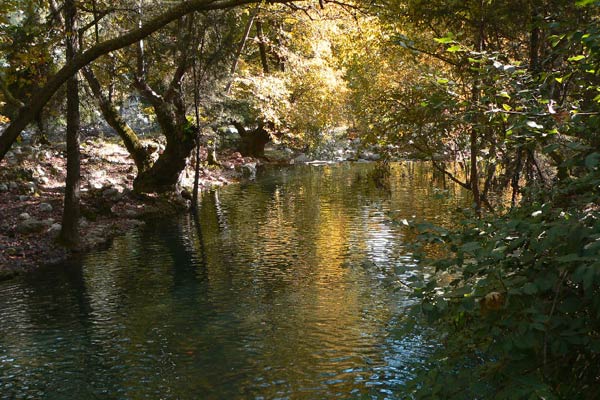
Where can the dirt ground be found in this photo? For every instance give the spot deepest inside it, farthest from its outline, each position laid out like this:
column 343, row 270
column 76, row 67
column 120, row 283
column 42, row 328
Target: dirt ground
column 31, row 196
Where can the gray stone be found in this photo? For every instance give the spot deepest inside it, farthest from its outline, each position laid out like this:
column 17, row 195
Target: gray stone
column 375, row 157
column 301, row 159
column 45, row 207
column 24, row 216
column 9, row 154
column 249, row 170
column 49, row 222
column 113, row 193
column 23, row 198
column 3, row 187
column 54, row 230
column 17, row 150
column 31, row 225
column 31, row 187
column 13, row 185
column 129, row 213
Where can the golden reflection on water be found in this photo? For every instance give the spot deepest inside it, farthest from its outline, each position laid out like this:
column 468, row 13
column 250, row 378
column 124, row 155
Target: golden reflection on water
column 280, row 288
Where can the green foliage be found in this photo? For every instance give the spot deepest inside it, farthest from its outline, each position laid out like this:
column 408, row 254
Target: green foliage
column 522, row 306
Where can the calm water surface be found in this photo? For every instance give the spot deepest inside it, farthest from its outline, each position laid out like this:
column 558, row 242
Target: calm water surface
column 286, row 288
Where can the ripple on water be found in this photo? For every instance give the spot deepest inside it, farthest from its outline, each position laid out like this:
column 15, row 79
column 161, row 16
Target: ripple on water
column 286, row 288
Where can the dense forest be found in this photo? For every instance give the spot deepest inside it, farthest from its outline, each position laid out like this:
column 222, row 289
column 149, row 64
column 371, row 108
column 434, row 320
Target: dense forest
column 501, row 97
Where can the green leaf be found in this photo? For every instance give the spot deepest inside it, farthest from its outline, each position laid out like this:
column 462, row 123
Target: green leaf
column 445, row 40
column 592, row 161
column 576, row 58
column 454, row 49
column 506, row 107
column 584, row 3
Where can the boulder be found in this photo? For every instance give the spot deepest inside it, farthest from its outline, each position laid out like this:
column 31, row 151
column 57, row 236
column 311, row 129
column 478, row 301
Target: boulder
column 31, row 225
column 13, row 185
column 54, row 230
column 3, row 187
column 24, row 216
column 49, row 222
column 45, row 207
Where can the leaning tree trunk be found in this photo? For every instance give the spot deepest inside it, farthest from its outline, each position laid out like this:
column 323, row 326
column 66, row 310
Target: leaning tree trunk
column 69, row 234
column 134, row 146
column 39, row 99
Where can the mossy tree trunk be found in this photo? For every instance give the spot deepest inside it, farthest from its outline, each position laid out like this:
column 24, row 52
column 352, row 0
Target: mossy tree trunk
column 134, row 146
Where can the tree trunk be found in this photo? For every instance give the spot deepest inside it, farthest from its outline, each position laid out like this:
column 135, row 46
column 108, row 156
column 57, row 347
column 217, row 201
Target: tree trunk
column 69, row 234
column 164, row 174
column 241, row 46
column 39, row 99
column 253, row 142
column 113, row 118
column 262, row 47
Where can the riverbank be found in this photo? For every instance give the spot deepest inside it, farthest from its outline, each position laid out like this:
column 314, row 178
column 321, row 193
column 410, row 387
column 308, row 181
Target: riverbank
column 32, row 188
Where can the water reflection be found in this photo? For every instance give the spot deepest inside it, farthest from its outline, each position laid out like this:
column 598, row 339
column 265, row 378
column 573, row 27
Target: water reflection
column 281, row 288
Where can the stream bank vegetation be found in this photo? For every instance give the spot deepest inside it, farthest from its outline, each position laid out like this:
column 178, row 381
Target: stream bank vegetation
column 509, row 91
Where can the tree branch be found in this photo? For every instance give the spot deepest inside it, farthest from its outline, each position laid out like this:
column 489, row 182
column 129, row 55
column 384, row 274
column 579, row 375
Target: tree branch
column 37, row 100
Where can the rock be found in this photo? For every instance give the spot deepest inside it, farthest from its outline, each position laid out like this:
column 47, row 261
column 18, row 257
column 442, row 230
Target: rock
column 17, row 150
column 130, row 213
column 13, row 185
column 249, row 170
column 95, row 185
column 301, row 159
column 131, row 176
column 113, row 193
column 23, row 198
column 43, row 180
column 3, row 187
column 45, row 207
column 24, row 216
column 31, row 187
column 9, row 154
column 31, row 225
column 61, row 147
column 27, row 148
column 54, row 230
column 12, row 161
column 49, row 222
column 375, row 157
column 44, row 155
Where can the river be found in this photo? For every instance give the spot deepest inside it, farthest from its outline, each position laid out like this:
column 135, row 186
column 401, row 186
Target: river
column 286, row 287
